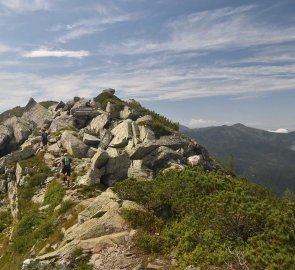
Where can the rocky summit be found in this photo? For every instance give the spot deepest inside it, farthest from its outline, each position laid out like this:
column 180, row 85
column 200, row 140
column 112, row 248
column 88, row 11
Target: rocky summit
column 108, row 140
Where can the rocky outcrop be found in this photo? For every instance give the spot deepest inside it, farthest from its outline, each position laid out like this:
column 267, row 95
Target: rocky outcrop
column 106, row 146
column 5, row 136
column 13, row 133
column 38, row 114
column 101, row 232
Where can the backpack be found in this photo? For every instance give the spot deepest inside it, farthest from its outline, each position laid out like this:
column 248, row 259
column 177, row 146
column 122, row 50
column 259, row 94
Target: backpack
column 67, row 161
column 44, row 136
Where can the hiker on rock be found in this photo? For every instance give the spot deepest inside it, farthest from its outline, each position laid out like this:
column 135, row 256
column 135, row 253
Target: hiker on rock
column 66, row 168
column 44, row 136
column 88, row 103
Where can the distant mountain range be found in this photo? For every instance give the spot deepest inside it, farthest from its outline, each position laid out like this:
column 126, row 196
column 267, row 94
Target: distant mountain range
column 265, row 157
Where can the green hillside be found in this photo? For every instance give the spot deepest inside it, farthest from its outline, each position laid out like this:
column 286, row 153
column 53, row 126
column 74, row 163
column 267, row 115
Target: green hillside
column 212, row 221
column 261, row 156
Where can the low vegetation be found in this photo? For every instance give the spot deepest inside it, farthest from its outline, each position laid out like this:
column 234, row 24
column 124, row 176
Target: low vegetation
column 159, row 121
column 212, row 220
column 37, row 227
column 5, row 220
column 105, row 97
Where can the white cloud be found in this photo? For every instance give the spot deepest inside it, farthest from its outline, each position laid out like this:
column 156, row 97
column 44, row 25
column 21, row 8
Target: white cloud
column 198, row 123
column 26, row 5
column 52, row 53
column 280, row 130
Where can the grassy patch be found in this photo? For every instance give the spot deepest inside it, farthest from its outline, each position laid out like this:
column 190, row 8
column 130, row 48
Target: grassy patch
column 65, row 206
column 54, row 194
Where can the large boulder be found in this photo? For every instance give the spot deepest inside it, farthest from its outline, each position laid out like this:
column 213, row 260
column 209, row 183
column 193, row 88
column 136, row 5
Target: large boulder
column 38, row 114
column 138, row 171
column 62, row 122
column 5, row 136
column 128, row 113
column 141, row 150
column 146, row 134
column 99, row 159
column 122, row 133
column 90, row 140
column 144, row 119
column 195, row 160
column 21, row 129
column 15, row 157
column 73, row 145
column 93, row 176
column 3, row 186
column 109, row 91
column 32, row 141
column 106, row 201
column 105, row 138
column 13, row 133
column 98, row 123
column 116, row 168
column 173, row 142
column 108, row 223
column 162, row 157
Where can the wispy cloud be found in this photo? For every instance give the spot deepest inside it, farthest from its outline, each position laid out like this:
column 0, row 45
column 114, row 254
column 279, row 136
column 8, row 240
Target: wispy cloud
column 90, row 26
column 76, row 34
column 211, row 30
column 26, row 5
column 7, row 49
column 52, row 53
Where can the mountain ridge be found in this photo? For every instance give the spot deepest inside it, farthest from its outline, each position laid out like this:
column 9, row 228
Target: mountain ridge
column 143, row 196
column 252, row 149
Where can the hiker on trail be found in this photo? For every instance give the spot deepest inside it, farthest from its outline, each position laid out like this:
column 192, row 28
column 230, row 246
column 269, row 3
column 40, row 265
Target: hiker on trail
column 44, row 136
column 66, row 169
column 88, row 103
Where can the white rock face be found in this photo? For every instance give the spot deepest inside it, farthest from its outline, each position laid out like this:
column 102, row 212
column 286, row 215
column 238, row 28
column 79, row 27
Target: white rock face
column 99, row 122
column 194, row 160
column 122, row 133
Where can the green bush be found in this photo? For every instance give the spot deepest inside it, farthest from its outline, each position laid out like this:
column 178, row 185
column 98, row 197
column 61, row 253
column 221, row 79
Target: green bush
column 104, row 98
column 159, row 120
column 212, row 220
column 142, row 219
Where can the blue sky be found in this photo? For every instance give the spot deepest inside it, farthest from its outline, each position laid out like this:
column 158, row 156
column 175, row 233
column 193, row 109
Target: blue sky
column 198, row 62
